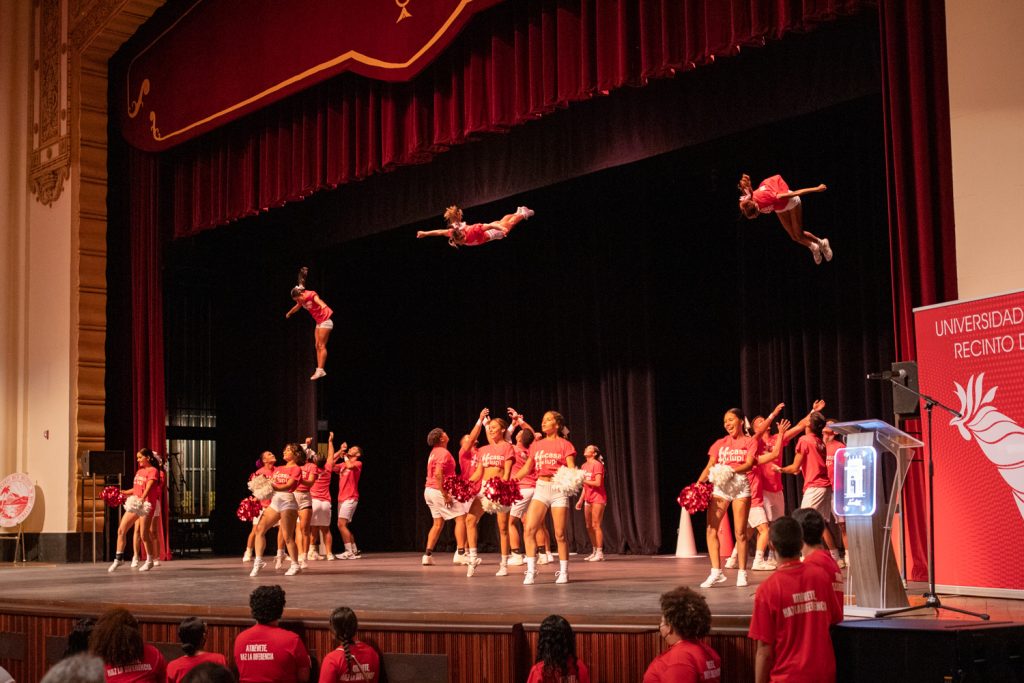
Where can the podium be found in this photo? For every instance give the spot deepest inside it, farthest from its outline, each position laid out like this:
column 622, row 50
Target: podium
column 874, row 575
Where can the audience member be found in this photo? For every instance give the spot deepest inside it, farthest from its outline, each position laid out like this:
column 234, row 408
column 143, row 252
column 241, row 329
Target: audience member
column 352, row 660
column 80, row 668
column 192, row 634
column 209, row 672
column 685, row 620
column 556, row 654
column 812, row 525
column 78, row 639
column 117, row 641
column 793, row 610
column 267, row 653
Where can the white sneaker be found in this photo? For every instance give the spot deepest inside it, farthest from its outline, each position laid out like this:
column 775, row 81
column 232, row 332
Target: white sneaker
column 330, row 557
column 471, row 566
column 543, row 558
column 257, row 565
column 598, row 557
column 114, row 565
column 590, row 557
column 763, row 565
column 826, row 250
column 515, row 560
column 135, row 562
column 302, row 563
column 731, row 562
column 561, row 577
column 551, row 557
column 294, row 569
column 502, row 571
column 311, row 554
column 320, row 372
column 528, row 578
column 816, row 253
column 460, row 559
column 427, row 561
column 741, row 578
column 356, row 555
column 247, row 557
column 524, row 212
column 146, row 566
column 347, row 555
column 713, row 579
column 156, row 563
column 279, row 561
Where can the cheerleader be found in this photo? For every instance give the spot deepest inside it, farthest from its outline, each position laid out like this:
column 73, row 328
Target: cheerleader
column 349, row 471
column 158, row 531
column 546, row 455
column 268, row 460
column 469, row 458
column 774, row 195
column 321, row 312
column 144, row 493
column 440, row 464
column 283, row 508
column 459, row 234
column 737, row 450
column 353, row 660
column 593, row 500
column 523, row 439
column 832, row 444
column 303, row 498
column 320, row 492
column 495, row 460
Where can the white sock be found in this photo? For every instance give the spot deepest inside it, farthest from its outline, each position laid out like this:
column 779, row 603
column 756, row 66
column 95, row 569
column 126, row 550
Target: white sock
column 472, row 552
column 759, row 556
column 531, row 564
column 504, row 560
column 280, row 552
column 563, row 566
column 351, row 547
column 599, row 551
column 715, row 571
column 732, row 555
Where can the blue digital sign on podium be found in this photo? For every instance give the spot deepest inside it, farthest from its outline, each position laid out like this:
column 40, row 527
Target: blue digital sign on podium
column 854, row 492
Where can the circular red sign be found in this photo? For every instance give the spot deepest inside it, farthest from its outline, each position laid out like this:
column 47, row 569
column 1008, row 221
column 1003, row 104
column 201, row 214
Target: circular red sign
column 17, row 496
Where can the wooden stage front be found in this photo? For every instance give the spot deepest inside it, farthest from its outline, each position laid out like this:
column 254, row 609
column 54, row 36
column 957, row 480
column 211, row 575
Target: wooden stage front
column 484, row 626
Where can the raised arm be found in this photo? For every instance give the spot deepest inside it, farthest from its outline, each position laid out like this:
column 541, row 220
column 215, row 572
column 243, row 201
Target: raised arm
column 777, row 448
column 474, row 434
column 803, row 191
column 766, row 425
column 432, row 233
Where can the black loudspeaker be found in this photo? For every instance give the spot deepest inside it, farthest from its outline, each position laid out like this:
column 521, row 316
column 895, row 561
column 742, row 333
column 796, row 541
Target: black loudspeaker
column 904, row 403
column 106, row 462
column 940, row 650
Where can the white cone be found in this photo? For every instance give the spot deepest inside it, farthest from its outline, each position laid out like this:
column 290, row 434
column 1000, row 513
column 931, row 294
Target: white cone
column 685, row 544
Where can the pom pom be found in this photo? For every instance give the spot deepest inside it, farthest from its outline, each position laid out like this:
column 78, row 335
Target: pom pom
column 458, row 488
column 568, row 481
column 720, row 475
column 500, row 495
column 112, row 496
column 138, row 506
column 249, row 509
column 261, row 488
column 696, row 497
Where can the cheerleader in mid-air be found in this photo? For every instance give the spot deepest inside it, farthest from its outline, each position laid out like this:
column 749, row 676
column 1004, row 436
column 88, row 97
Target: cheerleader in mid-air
column 321, row 312
column 459, row 234
column 774, row 195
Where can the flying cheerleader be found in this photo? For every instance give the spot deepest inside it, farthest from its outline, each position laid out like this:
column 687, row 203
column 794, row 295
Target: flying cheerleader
column 321, row 312
column 459, row 234
column 774, row 195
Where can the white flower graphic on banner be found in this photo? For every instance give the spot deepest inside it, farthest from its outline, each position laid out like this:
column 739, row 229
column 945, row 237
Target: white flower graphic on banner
column 1000, row 438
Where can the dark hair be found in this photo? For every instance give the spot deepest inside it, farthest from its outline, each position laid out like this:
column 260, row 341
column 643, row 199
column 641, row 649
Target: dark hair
column 150, row 456
column 528, row 435
column 299, row 452
column 266, row 604
column 434, row 436
column 598, row 455
column 787, row 537
column 78, row 639
column 686, row 611
column 344, row 624
column 812, row 525
column 300, row 285
column 208, row 672
column 556, row 647
column 816, row 421
column 192, row 634
column 320, row 459
column 116, row 639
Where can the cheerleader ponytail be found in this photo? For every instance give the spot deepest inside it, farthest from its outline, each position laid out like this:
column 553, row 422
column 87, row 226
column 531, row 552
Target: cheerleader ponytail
column 300, row 286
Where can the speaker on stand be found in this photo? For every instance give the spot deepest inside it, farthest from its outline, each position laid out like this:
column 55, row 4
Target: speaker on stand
column 905, row 406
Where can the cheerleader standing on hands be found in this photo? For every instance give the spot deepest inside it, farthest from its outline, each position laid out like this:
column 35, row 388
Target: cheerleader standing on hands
column 459, row 234
column 774, row 195
column 144, row 493
column 282, row 508
column 522, row 442
column 321, row 312
column 594, row 500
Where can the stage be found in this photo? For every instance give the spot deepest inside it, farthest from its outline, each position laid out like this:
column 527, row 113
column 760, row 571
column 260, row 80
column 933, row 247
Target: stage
column 484, row 627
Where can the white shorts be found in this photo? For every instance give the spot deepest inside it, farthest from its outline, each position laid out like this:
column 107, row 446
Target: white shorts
column 545, row 492
column 495, row 234
column 820, row 499
column 738, row 487
column 435, row 501
column 347, row 508
column 321, row 513
column 774, row 504
column 156, row 509
column 326, row 325
column 303, row 500
column 256, row 521
column 519, row 507
column 283, row 501
column 790, row 205
column 756, row 517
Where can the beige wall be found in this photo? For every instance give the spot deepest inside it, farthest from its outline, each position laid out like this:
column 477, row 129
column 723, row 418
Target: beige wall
column 986, row 98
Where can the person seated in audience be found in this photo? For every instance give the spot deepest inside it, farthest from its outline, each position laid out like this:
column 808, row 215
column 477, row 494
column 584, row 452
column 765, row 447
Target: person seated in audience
column 556, row 654
column 812, row 525
column 685, row 621
column 79, row 668
column 209, row 672
column 192, row 634
column 266, row 652
column 78, row 639
column 793, row 610
column 352, row 660
column 116, row 640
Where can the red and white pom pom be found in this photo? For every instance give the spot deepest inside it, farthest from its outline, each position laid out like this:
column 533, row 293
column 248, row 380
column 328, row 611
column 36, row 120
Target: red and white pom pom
column 112, row 496
column 261, row 487
column 138, row 505
column 500, row 495
column 568, row 481
column 696, row 497
column 249, row 509
column 720, row 475
column 458, row 488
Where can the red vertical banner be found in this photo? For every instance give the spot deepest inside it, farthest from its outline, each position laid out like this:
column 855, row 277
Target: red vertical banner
column 971, row 357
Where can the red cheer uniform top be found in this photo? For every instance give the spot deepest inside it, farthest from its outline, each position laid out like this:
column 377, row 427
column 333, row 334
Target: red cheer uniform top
column 813, row 465
column 793, row 610
column 348, row 480
column 830, row 459
column 766, row 196
column 321, row 314
column 307, row 471
column 685, row 662
column 770, row 479
column 321, row 488
column 177, row 669
column 494, row 456
column 468, row 460
column 268, row 654
column 267, row 472
column 439, row 457
column 549, row 454
column 336, row 669
column 592, row 468
column 473, row 235
column 143, row 475
column 529, row 480
column 151, row 669
column 283, row 474
column 577, row 673
column 733, row 452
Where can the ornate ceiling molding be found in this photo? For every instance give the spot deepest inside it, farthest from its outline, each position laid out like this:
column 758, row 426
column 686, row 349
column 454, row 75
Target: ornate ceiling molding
column 49, row 101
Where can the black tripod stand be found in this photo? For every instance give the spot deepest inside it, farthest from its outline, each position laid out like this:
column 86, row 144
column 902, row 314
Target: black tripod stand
column 931, row 597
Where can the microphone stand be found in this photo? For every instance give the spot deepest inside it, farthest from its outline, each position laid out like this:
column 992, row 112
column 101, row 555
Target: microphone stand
column 931, row 597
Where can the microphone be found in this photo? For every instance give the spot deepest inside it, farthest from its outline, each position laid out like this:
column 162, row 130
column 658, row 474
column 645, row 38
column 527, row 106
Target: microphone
column 888, row 374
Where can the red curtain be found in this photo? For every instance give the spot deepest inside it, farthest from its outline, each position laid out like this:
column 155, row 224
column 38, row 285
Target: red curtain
column 147, row 327
column 919, row 179
column 513, row 64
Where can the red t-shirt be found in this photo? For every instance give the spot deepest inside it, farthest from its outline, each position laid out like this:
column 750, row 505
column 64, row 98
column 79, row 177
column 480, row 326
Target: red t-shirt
column 530, row 479
column 577, row 674
column 335, row 667
column 308, row 470
column 793, row 610
column 348, row 480
column 813, row 464
column 142, row 475
column 320, row 313
column 754, row 476
column 766, row 196
column 823, row 559
column 284, row 473
column 685, row 662
column 269, row 654
column 495, row 455
column 151, row 669
column 177, row 669
column 476, row 234
column 770, row 479
column 830, row 458
column 733, row 452
column 593, row 467
column 265, row 472
column 321, row 488
column 439, row 457
column 468, row 460
column 549, row 454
